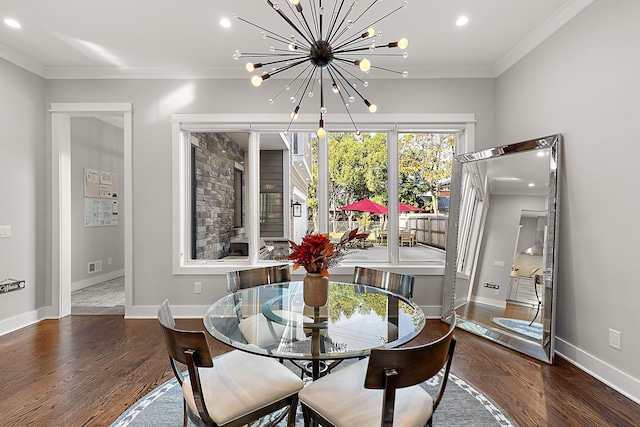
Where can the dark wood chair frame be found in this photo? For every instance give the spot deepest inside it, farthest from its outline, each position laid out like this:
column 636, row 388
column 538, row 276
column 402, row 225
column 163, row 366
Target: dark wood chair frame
column 190, row 348
column 401, row 284
column 244, row 279
column 391, row 369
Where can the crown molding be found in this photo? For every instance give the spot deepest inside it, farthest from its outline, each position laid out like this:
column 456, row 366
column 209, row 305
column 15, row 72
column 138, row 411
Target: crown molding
column 563, row 15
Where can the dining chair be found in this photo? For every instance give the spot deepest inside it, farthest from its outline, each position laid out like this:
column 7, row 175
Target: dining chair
column 231, row 390
column 256, row 328
column 390, row 380
column 243, row 279
column 401, row 284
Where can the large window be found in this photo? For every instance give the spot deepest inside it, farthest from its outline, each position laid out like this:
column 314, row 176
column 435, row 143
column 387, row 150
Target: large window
column 235, row 185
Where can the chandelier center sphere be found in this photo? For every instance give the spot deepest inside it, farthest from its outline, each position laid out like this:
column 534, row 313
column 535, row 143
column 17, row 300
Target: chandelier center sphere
column 321, row 54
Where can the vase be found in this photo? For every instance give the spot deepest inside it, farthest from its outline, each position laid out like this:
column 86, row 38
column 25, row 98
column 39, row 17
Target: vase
column 315, row 289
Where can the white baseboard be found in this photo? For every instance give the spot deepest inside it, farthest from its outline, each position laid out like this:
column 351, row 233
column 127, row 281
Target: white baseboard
column 489, row 301
column 151, row 311
column 25, row 319
column 94, row 280
column 602, row 371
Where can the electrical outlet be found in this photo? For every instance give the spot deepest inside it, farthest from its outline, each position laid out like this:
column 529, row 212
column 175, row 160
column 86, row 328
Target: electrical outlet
column 614, row 339
column 198, row 287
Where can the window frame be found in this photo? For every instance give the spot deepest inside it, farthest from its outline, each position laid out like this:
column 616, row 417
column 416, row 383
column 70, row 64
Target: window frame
column 392, row 124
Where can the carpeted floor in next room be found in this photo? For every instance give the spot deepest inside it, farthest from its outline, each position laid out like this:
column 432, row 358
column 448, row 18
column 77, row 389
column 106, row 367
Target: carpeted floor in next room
column 103, row 298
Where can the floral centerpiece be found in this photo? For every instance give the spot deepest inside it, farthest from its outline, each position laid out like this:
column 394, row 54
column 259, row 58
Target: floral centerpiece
column 316, row 253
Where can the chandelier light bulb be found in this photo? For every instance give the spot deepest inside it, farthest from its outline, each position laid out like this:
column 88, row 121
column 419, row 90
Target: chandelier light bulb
column 403, row 43
column 250, row 67
column 336, row 89
column 365, row 64
column 369, row 33
column 256, row 81
column 321, row 132
column 293, row 47
column 297, row 4
column 372, row 107
column 294, row 113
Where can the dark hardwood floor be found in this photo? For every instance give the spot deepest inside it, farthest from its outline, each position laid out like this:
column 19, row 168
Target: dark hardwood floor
column 87, row 370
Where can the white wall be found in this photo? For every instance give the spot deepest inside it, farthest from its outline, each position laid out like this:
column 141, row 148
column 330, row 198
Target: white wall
column 154, row 101
column 22, row 193
column 584, row 83
column 96, row 145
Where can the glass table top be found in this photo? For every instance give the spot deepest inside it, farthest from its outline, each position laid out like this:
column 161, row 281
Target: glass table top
column 273, row 320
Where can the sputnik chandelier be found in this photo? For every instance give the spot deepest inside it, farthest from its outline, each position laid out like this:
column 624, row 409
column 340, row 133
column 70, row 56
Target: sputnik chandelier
column 330, row 52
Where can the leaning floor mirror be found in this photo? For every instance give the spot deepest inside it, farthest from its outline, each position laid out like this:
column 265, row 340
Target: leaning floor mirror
column 500, row 275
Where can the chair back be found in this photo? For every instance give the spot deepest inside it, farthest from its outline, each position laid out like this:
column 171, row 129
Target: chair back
column 178, row 342
column 165, row 316
column 390, row 369
column 189, row 348
column 244, row 279
column 401, row 284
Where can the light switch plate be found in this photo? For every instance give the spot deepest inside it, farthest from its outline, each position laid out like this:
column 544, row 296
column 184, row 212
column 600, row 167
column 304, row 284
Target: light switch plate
column 5, row 231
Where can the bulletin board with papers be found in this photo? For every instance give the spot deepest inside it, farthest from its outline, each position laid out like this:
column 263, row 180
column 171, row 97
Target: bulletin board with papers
column 100, row 198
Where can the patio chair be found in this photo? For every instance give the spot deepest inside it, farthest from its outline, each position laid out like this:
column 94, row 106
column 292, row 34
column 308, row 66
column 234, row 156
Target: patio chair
column 231, row 390
column 406, row 238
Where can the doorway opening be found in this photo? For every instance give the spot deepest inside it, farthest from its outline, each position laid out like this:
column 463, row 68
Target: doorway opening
column 61, row 248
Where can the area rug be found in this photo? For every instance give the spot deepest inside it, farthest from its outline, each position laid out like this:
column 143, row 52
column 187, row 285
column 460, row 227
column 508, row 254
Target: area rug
column 521, row 327
column 462, row 405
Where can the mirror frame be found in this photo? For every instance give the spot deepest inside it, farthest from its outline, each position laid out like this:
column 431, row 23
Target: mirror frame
column 543, row 349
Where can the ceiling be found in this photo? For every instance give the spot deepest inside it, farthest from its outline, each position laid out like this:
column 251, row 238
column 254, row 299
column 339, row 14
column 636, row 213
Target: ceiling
column 72, row 39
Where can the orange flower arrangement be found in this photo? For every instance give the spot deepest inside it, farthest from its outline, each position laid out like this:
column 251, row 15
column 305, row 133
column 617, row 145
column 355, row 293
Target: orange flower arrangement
column 316, row 253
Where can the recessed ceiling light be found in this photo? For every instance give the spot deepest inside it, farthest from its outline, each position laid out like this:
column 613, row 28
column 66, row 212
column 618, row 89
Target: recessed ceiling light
column 463, row 20
column 531, row 184
column 225, row 23
column 12, row 23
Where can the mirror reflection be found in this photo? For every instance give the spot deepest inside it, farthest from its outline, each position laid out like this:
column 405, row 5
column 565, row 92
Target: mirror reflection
column 500, row 279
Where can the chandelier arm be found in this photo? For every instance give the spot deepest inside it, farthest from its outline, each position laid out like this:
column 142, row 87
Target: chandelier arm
column 308, row 80
column 346, row 27
column 388, row 70
column 282, row 38
column 352, row 63
column 306, row 23
column 345, row 104
column 297, row 13
column 262, row 64
column 341, row 80
column 286, row 67
column 334, row 18
column 354, row 89
column 360, row 49
column 358, row 34
column 286, row 18
column 291, row 81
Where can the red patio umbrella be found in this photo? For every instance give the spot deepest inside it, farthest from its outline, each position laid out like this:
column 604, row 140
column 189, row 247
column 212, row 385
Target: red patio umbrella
column 403, row 207
column 365, row 205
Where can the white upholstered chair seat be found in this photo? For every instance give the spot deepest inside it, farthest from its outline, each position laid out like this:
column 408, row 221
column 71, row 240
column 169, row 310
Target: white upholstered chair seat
column 342, row 399
column 260, row 331
column 239, row 383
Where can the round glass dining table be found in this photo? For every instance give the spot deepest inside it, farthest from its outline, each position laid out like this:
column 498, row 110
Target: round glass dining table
column 272, row 320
